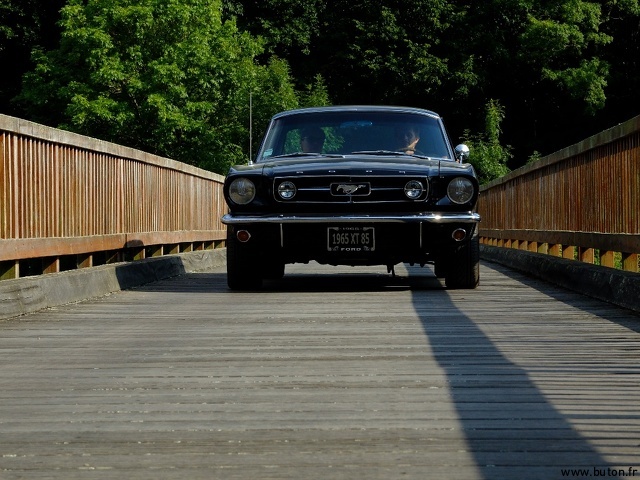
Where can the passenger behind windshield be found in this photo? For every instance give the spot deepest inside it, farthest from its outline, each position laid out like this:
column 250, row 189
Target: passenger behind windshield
column 312, row 140
column 407, row 137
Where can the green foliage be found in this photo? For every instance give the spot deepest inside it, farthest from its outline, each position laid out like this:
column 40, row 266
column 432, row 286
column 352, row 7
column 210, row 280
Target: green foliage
column 487, row 155
column 534, row 157
column 23, row 25
column 166, row 76
column 547, row 62
column 555, row 43
column 315, row 94
column 271, row 92
column 175, row 76
column 286, row 26
column 398, row 53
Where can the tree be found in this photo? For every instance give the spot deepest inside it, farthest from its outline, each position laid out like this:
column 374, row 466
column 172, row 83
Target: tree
column 487, row 155
column 545, row 61
column 366, row 52
column 165, row 76
column 175, row 76
column 23, row 25
column 623, row 56
column 286, row 26
column 550, row 64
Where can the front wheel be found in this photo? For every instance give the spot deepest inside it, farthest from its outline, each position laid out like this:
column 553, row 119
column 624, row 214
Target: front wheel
column 243, row 267
column 273, row 270
column 463, row 270
column 440, row 268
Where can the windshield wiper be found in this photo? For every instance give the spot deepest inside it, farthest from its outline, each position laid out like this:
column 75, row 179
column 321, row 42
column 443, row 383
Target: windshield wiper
column 309, row 154
column 389, row 152
column 378, row 152
column 297, row 154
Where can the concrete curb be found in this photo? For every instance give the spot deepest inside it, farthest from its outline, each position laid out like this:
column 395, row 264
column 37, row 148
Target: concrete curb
column 30, row 294
column 610, row 285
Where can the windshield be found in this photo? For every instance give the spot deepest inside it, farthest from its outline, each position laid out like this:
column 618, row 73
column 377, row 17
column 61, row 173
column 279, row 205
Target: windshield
column 347, row 132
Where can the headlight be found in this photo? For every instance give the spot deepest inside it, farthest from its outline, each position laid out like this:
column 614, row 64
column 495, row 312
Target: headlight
column 287, row 190
column 460, row 190
column 413, row 189
column 242, row 191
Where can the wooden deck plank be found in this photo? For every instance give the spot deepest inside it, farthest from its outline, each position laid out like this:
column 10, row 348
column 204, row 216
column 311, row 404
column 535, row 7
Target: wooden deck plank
column 354, row 375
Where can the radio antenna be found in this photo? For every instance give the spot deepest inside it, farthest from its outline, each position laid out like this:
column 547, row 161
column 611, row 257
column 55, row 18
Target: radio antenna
column 250, row 128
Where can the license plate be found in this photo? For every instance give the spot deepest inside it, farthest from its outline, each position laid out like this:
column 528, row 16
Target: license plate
column 351, row 239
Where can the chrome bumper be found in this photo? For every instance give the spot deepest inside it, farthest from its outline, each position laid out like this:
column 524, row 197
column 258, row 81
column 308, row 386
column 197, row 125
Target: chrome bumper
column 434, row 217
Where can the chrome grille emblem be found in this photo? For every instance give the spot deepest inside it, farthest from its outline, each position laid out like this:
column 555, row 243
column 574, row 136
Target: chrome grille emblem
column 350, row 189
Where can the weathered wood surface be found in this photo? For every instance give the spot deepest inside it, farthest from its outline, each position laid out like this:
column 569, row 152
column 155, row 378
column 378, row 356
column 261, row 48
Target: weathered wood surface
column 323, row 376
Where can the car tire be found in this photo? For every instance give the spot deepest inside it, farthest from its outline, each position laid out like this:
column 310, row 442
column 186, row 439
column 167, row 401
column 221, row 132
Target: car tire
column 440, row 268
column 273, row 270
column 464, row 268
column 243, row 268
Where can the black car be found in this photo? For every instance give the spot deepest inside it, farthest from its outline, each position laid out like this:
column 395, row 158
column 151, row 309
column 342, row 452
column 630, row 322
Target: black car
column 353, row 185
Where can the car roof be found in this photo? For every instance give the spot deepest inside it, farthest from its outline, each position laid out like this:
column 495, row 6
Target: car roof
column 357, row 108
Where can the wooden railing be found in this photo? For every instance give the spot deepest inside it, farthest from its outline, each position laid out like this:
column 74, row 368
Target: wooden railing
column 69, row 201
column 581, row 203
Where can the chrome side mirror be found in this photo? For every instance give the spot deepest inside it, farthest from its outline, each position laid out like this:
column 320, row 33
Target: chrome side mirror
column 462, row 153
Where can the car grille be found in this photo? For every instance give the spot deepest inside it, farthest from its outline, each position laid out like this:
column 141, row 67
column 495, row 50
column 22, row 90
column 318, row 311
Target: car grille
column 343, row 189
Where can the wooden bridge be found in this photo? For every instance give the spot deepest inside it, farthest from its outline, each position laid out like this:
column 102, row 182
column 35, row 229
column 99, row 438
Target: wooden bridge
column 333, row 372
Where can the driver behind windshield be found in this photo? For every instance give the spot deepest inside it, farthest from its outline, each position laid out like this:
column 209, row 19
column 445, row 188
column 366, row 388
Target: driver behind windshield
column 407, row 138
column 312, row 140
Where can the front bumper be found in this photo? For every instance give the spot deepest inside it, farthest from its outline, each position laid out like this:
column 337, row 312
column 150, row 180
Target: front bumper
column 299, row 238
column 431, row 217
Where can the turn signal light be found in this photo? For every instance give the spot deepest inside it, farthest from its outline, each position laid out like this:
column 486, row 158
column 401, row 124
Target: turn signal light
column 459, row 234
column 243, row 236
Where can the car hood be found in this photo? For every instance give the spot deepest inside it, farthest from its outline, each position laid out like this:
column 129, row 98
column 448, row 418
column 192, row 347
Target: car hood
column 355, row 165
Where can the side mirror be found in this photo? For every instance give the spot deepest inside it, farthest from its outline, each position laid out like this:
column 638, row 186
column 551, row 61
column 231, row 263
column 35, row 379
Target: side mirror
column 462, row 153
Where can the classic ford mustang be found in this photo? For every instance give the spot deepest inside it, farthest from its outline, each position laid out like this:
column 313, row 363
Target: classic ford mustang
column 353, row 185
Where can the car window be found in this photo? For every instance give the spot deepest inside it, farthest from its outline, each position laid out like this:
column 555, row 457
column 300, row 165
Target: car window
column 347, row 132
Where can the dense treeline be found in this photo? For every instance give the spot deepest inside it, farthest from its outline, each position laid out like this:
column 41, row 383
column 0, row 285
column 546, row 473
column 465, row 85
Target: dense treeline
column 515, row 78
